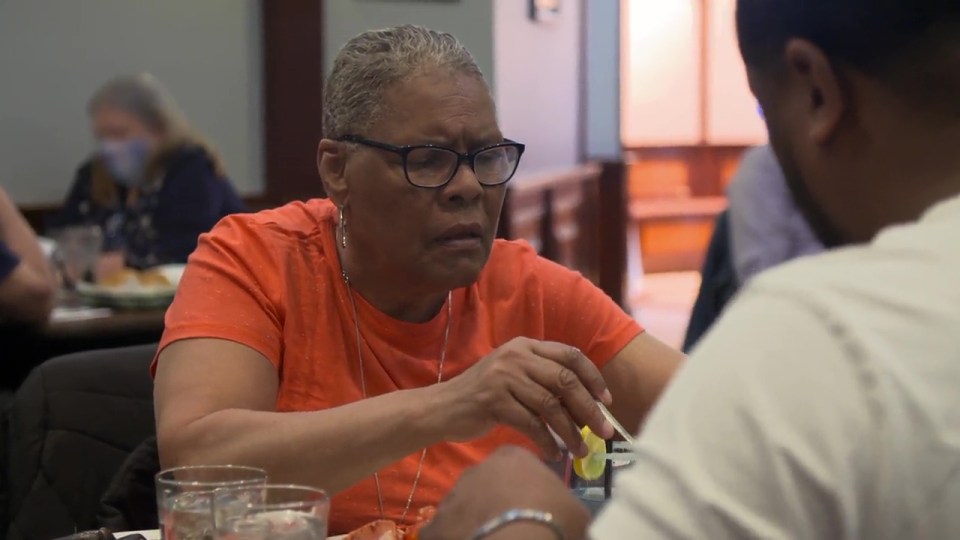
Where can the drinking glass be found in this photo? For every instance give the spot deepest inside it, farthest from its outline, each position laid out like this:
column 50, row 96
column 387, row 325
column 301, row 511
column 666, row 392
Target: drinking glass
column 185, row 497
column 78, row 249
column 271, row 512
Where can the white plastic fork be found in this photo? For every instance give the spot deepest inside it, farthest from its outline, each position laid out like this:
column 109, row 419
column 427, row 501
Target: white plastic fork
column 617, row 426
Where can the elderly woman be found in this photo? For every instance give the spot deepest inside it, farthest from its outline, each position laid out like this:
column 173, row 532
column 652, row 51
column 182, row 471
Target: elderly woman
column 153, row 185
column 378, row 343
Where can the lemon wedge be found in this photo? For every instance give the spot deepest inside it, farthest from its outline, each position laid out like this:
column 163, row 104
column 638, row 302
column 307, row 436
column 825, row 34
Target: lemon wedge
column 591, row 466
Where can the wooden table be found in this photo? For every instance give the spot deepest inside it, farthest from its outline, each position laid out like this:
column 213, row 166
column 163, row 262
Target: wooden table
column 118, row 324
column 23, row 348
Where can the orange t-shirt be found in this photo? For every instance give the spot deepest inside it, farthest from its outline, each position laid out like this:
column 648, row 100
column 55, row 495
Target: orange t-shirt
column 272, row 282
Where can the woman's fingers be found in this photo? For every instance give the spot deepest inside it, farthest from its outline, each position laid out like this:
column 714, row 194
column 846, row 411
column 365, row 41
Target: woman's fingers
column 550, row 409
column 574, row 360
column 535, row 386
column 563, row 381
column 524, row 420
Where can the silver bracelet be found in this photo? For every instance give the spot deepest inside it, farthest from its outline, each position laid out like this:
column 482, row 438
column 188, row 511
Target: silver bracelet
column 515, row 515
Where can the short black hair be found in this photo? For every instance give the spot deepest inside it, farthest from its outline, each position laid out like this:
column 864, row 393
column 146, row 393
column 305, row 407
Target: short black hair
column 912, row 44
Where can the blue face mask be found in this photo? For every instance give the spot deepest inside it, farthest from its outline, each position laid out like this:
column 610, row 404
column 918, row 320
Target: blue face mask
column 126, row 160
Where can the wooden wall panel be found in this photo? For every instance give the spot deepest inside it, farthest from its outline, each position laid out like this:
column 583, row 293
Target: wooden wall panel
column 674, row 234
column 576, row 218
column 671, row 126
column 612, row 240
column 522, row 217
column 658, row 177
column 670, row 245
column 566, row 202
column 675, row 195
column 681, row 171
column 293, row 83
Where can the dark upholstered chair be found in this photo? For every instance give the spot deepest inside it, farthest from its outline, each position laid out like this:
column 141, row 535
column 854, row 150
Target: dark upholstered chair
column 72, row 424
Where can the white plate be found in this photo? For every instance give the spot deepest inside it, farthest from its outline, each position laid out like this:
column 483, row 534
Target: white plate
column 152, row 534
column 135, row 297
column 155, row 535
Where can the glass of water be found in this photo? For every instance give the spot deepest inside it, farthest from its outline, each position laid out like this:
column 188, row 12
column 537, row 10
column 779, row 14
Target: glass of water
column 271, row 512
column 185, row 497
column 78, row 249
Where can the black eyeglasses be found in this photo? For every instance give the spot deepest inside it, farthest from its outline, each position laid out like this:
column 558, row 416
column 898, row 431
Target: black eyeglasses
column 431, row 166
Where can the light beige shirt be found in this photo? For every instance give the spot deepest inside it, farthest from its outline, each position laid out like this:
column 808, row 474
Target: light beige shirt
column 824, row 404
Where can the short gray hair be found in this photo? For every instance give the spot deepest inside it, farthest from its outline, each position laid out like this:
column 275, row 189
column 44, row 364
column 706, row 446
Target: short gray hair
column 376, row 59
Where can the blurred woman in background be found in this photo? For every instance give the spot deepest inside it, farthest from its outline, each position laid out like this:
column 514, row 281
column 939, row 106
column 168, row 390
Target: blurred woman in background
column 153, row 185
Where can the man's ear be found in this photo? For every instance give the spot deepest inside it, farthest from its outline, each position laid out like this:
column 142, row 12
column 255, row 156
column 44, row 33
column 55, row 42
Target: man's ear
column 826, row 101
column 331, row 162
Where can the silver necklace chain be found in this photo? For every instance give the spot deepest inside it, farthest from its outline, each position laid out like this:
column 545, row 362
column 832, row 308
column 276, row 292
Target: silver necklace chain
column 363, row 388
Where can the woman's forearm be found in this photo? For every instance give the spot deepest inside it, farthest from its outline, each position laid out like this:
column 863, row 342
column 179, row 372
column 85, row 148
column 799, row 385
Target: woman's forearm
column 19, row 236
column 332, row 449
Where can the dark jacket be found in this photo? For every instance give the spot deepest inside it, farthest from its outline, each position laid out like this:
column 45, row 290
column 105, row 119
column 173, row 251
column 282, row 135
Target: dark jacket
column 72, row 425
column 718, row 286
column 130, row 503
column 162, row 225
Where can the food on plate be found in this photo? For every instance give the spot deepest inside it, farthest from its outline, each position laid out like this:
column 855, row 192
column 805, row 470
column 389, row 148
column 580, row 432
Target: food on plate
column 132, row 278
column 384, row 529
column 117, row 278
column 153, row 278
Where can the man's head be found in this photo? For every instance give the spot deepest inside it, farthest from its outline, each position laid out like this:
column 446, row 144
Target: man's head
column 862, row 100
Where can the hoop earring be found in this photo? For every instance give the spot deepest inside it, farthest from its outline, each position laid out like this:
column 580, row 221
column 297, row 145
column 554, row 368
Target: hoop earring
column 343, row 230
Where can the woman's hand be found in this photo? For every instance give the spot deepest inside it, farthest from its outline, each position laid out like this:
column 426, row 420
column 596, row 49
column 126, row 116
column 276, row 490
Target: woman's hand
column 528, row 385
